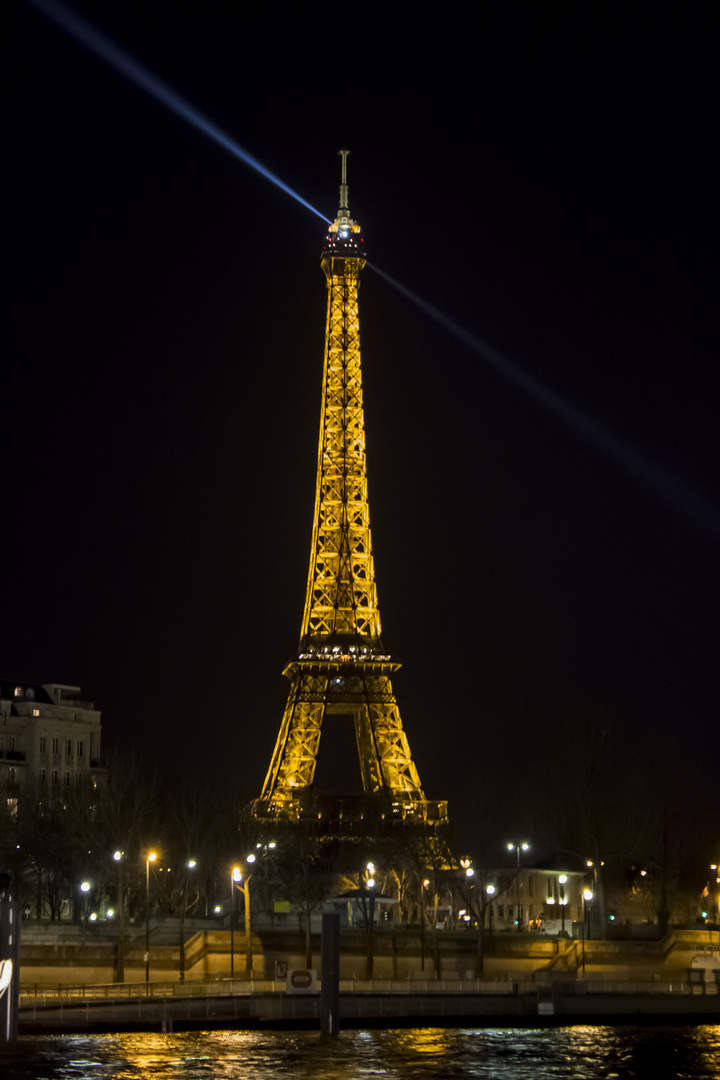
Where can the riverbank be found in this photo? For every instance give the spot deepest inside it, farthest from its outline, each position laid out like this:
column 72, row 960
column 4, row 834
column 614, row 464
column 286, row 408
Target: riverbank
column 63, row 953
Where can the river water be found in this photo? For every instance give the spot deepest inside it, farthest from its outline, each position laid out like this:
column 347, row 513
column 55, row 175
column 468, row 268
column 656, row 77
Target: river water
column 579, row 1052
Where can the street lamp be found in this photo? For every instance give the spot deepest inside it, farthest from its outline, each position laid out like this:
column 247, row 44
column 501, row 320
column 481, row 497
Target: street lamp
column 367, row 887
column 85, row 889
column 119, row 965
column 587, row 899
column 190, row 864
column 235, row 875
column 490, row 891
column 423, row 886
column 518, row 847
column 151, row 857
column 248, row 917
column 563, row 902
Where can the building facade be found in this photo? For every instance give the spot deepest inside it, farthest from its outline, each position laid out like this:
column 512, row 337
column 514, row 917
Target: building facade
column 544, row 898
column 49, row 737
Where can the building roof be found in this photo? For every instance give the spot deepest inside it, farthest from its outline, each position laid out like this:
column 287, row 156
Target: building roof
column 29, row 691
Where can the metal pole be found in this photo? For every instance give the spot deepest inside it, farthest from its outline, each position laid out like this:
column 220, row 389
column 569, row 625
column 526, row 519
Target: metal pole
column 330, row 975
column 119, row 974
column 422, row 927
column 583, row 937
column 232, row 931
column 248, row 929
column 147, row 922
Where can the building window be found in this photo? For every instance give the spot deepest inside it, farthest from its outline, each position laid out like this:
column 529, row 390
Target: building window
column 30, row 693
column 68, row 779
column 11, row 742
column 36, row 712
column 43, row 777
column 501, row 911
column 43, row 744
column 80, row 748
column 68, row 748
column 12, row 805
column 56, row 745
column 12, row 776
column 55, row 778
column 18, row 691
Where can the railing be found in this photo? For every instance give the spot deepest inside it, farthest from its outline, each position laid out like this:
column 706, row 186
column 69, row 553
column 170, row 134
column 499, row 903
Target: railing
column 52, row 995
column 40, row 994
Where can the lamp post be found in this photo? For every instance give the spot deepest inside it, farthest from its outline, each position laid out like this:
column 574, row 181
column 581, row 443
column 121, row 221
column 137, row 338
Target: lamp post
column 367, row 883
column 518, row 847
column 84, row 889
column 423, row 886
column 715, row 867
column 191, row 864
column 490, row 890
column 151, row 857
column 235, row 875
column 248, row 920
column 562, row 880
column 587, row 899
column 119, row 972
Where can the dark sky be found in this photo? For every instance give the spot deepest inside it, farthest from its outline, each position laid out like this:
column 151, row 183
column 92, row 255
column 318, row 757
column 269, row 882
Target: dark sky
column 546, row 178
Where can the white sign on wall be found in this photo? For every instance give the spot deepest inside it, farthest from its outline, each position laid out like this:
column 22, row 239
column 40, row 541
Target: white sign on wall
column 301, row 981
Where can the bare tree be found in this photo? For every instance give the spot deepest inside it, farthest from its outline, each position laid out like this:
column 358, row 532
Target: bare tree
column 585, row 803
column 307, row 868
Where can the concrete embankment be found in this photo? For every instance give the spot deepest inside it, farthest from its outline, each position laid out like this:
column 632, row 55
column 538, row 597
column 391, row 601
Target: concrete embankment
column 52, row 954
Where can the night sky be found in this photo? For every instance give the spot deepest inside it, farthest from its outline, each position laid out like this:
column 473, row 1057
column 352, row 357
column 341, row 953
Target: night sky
column 548, row 180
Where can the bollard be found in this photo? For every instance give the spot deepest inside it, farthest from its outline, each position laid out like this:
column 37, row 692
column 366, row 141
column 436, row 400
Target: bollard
column 330, row 975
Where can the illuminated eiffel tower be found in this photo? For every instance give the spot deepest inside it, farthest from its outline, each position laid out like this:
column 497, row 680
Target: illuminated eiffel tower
column 341, row 669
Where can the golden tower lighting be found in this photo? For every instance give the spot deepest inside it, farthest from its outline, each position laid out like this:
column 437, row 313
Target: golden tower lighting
column 341, row 668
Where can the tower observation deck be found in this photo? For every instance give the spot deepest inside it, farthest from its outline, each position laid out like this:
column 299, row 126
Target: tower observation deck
column 341, row 669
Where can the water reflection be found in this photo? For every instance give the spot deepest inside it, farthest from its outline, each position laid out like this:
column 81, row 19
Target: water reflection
column 426, row 1040
column 572, row 1053
column 707, row 1039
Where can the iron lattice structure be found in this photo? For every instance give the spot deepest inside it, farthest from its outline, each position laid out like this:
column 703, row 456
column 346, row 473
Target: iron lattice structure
column 341, row 667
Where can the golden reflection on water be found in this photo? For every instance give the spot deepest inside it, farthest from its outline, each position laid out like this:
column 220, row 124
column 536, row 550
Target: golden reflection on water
column 239, row 1055
column 708, row 1042
column 426, row 1040
column 582, row 1052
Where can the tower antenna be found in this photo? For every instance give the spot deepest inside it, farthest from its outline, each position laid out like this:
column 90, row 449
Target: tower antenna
column 343, row 182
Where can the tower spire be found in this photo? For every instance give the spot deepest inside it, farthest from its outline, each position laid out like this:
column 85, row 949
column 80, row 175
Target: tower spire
column 343, row 181
column 341, row 672
column 344, row 224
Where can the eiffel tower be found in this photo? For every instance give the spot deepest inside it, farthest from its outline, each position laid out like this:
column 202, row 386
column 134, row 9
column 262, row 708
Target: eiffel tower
column 341, row 669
